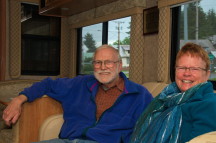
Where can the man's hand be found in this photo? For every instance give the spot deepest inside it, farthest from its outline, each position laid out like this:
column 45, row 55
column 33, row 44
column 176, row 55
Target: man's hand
column 13, row 110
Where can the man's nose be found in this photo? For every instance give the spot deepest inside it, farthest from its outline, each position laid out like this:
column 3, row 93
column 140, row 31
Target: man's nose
column 103, row 66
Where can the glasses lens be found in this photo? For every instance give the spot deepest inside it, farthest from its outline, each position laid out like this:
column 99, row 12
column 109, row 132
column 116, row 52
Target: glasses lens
column 180, row 69
column 97, row 64
column 109, row 64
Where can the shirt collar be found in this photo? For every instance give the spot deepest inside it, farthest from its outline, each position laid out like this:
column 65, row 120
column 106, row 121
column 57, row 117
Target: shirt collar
column 119, row 85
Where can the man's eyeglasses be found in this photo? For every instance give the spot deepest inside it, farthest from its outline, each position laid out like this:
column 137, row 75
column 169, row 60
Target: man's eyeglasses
column 191, row 69
column 107, row 63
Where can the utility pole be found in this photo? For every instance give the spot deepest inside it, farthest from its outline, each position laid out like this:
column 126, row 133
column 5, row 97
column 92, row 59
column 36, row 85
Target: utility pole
column 118, row 28
column 197, row 22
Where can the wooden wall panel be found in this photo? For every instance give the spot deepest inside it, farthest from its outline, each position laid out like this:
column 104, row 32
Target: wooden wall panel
column 33, row 115
column 2, row 39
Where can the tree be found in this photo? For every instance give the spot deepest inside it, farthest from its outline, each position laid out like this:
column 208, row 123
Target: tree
column 129, row 27
column 89, row 42
column 206, row 22
column 192, row 21
column 211, row 21
column 125, row 41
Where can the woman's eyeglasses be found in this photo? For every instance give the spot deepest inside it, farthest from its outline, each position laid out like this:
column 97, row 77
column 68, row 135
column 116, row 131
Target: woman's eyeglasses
column 191, row 69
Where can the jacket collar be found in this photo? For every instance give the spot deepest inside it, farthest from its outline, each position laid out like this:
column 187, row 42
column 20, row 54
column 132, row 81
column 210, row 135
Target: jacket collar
column 93, row 84
column 203, row 91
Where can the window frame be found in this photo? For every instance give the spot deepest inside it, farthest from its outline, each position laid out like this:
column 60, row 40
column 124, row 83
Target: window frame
column 174, row 41
column 41, row 37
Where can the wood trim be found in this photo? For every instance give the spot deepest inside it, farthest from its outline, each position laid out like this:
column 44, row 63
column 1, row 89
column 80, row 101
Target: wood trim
column 165, row 3
column 33, row 115
column 2, row 39
column 64, row 8
column 94, row 20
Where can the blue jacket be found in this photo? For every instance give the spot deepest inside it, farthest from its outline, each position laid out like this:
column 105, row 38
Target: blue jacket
column 77, row 96
column 199, row 114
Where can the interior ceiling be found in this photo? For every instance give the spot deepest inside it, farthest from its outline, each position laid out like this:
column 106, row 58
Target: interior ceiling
column 70, row 7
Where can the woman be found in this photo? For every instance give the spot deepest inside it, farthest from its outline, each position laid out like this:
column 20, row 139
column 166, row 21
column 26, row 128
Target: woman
column 185, row 108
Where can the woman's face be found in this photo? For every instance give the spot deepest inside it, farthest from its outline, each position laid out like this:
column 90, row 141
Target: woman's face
column 186, row 78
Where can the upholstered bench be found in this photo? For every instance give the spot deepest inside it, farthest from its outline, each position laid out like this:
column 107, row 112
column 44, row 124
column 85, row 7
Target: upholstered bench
column 49, row 117
column 155, row 87
column 205, row 138
column 52, row 125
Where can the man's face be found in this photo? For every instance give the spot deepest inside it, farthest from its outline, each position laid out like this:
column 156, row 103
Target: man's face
column 108, row 67
column 187, row 78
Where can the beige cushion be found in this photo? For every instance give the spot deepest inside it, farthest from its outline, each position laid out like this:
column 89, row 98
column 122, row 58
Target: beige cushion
column 205, row 138
column 51, row 127
column 155, row 87
column 6, row 136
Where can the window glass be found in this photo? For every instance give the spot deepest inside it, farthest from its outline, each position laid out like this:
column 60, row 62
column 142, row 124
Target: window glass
column 119, row 37
column 115, row 33
column 40, row 42
column 196, row 22
column 91, row 39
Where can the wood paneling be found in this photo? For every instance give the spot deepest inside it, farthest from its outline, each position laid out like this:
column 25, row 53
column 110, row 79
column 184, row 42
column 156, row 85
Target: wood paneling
column 63, row 8
column 2, row 39
column 33, row 115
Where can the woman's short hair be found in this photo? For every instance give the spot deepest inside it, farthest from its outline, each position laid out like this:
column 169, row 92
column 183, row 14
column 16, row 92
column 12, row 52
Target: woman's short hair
column 194, row 50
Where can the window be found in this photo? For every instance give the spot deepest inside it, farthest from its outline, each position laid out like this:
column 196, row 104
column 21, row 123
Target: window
column 40, row 42
column 115, row 33
column 195, row 22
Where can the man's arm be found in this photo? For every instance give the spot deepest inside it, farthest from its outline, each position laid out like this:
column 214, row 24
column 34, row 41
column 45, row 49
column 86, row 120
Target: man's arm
column 13, row 110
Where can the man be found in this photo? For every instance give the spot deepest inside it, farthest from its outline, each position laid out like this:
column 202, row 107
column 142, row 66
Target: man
column 101, row 108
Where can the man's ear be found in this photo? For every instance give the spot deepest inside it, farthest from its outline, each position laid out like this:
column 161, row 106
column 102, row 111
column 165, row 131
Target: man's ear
column 120, row 65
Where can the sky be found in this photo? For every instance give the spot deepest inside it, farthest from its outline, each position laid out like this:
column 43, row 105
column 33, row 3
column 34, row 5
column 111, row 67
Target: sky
column 208, row 4
column 123, row 25
column 113, row 32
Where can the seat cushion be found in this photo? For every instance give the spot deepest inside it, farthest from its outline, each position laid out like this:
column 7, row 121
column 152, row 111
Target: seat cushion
column 205, row 138
column 51, row 127
column 155, row 87
column 6, row 136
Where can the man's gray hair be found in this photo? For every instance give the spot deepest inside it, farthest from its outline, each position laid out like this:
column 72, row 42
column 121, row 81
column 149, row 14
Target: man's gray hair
column 108, row 46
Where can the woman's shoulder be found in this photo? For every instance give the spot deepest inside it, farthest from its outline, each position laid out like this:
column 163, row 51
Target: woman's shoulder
column 201, row 103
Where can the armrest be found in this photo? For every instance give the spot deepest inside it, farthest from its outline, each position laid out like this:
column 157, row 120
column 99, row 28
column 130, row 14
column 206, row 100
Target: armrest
column 51, row 127
column 33, row 116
